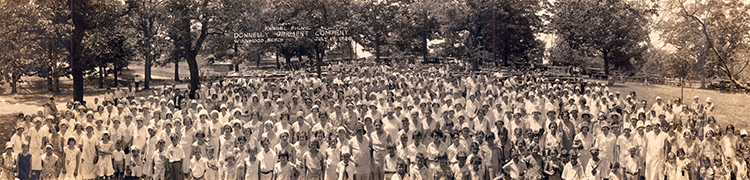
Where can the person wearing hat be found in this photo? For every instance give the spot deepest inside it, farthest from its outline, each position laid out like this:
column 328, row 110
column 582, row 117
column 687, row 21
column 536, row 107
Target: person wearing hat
column 150, row 149
column 630, row 164
column 361, row 147
column 8, row 162
column 299, row 125
column 19, row 138
column 709, row 108
column 655, row 153
column 87, row 168
column 605, row 142
column 140, row 135
column 284, row 145
column 595, row 166
column 346, row 168
column 658, row 106
column 104, row 148
column 36, row 134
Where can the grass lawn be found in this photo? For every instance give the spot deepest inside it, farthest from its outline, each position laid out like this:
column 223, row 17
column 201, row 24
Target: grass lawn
column 730, row 108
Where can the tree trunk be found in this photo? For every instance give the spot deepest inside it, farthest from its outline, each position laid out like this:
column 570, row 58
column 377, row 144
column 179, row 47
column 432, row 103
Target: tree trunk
column 278, row 65
column 177, row 69
column 319, row 62
column 425, row 52
column 505, row 48
column 605, row 56
column 56, row 88
column 13, row 84
column 682, row 89
column 192, row 52
column 194, row 76
column 288, row 58
column 115, row 84
column 257, row 64
column 237, row 67
column 377, row 50
column 147, row 68
column 352, row 50
column 77, row 17
column 475, row 64
column 101, row 74
column 702, row 67
column 49, row 83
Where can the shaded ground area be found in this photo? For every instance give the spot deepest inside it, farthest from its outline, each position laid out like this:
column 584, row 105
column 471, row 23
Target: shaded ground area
column 7, row 125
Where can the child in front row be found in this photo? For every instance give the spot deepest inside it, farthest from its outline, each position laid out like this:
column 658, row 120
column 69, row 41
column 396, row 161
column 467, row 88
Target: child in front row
column 160, row 161
column 198, row 165
column 118, row 160
column 283, row 170
column 175, row 154
column 24, row 163
column 252, row 166
column 136, row 162
column 212, row 165
column 346, row 169
column 104, row 149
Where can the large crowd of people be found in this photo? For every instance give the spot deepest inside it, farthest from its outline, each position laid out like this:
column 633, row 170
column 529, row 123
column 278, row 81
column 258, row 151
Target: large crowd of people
column 378, row 123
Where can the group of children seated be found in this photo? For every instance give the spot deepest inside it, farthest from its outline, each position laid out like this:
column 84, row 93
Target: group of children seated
column 378, row 123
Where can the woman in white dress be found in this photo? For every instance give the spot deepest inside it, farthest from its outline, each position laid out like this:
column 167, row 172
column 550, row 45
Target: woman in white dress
column 104, row 149
column 655, row 153
column 71, row 160
column 88, row 168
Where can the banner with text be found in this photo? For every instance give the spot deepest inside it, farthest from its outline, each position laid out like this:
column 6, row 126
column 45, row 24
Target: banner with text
column 278, row 34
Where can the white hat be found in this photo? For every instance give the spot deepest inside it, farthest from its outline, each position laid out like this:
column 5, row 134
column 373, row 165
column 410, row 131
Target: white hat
column 708, row 100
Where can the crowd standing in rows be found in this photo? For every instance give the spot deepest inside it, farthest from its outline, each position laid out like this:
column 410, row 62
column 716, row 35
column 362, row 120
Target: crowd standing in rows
column 378, row 123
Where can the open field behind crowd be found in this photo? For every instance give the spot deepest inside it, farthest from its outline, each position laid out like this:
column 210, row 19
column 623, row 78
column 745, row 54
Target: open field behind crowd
column 730, row 108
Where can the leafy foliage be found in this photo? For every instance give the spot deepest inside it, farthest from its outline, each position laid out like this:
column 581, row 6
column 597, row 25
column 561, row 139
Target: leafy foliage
column 716, row 32
column 613, row 30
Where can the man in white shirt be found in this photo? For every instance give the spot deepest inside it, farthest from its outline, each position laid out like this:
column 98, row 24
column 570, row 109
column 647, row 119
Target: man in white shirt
column 37, row 136
column 175, row 154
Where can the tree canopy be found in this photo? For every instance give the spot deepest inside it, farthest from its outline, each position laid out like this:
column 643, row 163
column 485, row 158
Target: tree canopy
column 89, row 38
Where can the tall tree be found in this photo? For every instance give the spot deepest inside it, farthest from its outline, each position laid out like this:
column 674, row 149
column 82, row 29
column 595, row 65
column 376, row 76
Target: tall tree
column 19, row 33
column 85, row 15
column 612, row 30
column 197, row 20
column 723, row 27
column 53, row 17
column 415, row 23
column 146, row 18
column 513, row 28
column 372, row 24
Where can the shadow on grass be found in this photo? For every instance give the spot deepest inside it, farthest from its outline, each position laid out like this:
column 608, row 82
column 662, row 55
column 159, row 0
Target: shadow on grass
column 7, row 127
